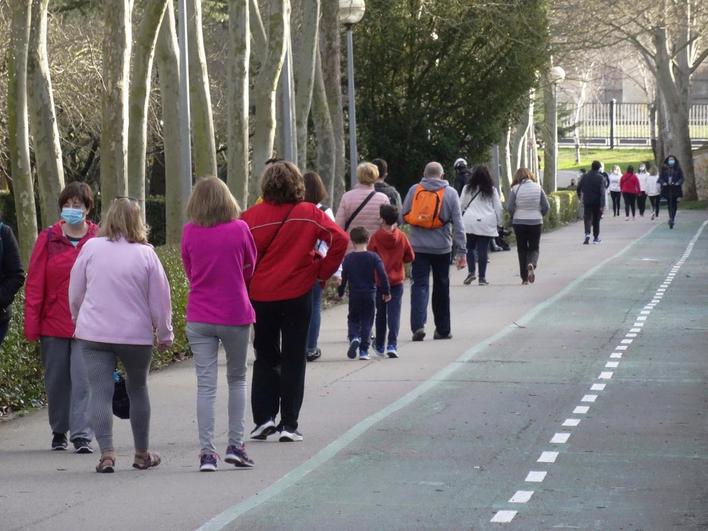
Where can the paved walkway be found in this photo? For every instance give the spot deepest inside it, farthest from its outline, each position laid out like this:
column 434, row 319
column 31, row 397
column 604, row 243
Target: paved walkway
column 446, row 435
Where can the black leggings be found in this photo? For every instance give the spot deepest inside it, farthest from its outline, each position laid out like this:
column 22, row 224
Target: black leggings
column 616, row 202
column 655, row 202
column 630, row 202
column 642, row 203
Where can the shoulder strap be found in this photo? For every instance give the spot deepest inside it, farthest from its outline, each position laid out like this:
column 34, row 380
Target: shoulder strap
column 323, row 208
column 470, row 202
column 359, row 209
column 277, row 231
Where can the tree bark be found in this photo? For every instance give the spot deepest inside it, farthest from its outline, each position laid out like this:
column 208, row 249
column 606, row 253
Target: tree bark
column 238, row 98
column 42, row 115
column 116, row 75
column 305, row 37
column 506, row 172
column 331, row 69
column 324, row 131
column 518, row 139
column 167, row 57
column 204, row 149
column 550, row 127
column 139, row 97
column 18, row 128
column 265, row 88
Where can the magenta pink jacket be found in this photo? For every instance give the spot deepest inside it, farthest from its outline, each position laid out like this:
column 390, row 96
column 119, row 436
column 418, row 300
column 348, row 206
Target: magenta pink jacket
column 219, row 262
column 118, row 293
column 369, row 217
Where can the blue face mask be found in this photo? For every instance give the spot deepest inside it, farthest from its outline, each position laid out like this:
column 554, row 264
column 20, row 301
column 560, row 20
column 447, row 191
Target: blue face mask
column 73, row 216
column 671, row 162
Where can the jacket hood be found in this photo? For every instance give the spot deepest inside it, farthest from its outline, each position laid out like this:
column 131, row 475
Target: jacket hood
column 433, row 184
column 389, row 240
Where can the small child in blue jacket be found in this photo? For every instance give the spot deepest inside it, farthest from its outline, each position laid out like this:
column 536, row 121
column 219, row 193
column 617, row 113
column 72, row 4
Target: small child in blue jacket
column 359, row 270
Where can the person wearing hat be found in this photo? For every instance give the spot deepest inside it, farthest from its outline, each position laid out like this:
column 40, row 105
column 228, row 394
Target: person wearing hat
column 462, row 174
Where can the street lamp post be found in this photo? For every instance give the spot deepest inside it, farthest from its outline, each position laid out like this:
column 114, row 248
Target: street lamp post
column 550, row 157
column 351, row 12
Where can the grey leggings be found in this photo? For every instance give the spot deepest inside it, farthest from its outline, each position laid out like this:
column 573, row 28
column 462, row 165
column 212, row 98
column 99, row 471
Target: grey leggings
column 100, row 359
column 204, row 341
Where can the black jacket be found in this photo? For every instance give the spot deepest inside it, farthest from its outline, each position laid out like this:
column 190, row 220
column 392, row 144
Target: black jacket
column 462, row 175
column 12, row 276
column 671, row 179
column 591, row 189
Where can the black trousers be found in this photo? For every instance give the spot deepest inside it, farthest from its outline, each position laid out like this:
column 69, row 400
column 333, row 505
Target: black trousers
column 630, row 203
column 592, row 220
column 360, row 319
column 279, row 370
column 642, row 203
column 528, row 238
column 655, row 203
column 616, row 196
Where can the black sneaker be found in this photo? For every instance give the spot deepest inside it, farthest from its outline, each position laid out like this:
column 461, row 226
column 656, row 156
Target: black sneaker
column 290, row 436
column 671, row 223
column 82, row 446
column 59, row 441
column 438, row 335
column 419, row 335
column 261, row 433
column 586, row 241
column 483, row 282
column 315, row 354
column 470, row 278
column 353, row 350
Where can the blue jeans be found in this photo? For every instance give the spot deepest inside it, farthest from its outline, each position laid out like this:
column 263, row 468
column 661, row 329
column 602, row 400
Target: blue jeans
column 440, row 266
column 388, row 313
column 478, row 246
column 313, row 332
column 361, row 317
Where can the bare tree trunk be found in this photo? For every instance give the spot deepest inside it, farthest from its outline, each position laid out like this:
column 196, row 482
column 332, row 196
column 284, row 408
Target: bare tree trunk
column 238, row 98
column 305, row 37
column 43, row 121
column 168, row 70
column 116, row 75
column 506, row 172
column 139, row 97
column 322, row 119
column 265, row 87
column 331, row 69
column 550, row 128
column 18, row 129
column 204, row 150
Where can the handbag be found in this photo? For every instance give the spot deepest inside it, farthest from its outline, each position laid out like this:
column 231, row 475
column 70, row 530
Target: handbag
column 121, row 401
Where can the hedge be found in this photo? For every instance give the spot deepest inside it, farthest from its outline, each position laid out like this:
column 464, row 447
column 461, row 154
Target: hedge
column 21, row 376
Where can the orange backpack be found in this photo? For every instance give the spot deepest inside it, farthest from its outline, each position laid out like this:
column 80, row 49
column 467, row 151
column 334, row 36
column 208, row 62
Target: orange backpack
column 425, row 208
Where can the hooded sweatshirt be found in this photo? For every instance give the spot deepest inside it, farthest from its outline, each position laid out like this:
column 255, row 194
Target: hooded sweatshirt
column 629, row 184
column 438, row 241
column 394, row 249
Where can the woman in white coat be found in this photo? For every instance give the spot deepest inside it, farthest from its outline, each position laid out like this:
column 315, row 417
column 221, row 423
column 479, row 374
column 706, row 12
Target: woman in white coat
column 481, row 215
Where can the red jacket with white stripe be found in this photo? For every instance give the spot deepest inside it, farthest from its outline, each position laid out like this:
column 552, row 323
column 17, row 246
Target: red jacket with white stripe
column 47, row 287
column 288, row 263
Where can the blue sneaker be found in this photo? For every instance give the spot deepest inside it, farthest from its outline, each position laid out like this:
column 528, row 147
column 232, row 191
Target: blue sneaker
column 391, row 351
column 207, row 463
column 353, row 348
column 364, row 355
column 237, row 456
column 380, row 351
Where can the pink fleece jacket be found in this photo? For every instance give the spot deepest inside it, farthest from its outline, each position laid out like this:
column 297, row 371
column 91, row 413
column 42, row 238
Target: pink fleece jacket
column 369, row 217
column 219, row 262
column 118, row 293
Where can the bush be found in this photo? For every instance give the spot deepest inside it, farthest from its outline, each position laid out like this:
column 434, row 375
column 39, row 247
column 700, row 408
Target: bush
column 564, row 207
column 21, row 376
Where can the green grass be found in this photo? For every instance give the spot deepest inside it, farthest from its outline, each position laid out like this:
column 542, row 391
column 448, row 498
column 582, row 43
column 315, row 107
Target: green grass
column 694, row 205
column 609, row 157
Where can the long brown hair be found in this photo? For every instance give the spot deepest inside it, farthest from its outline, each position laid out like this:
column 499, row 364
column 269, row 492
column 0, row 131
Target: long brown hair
column 212, row 203
column 315, row 191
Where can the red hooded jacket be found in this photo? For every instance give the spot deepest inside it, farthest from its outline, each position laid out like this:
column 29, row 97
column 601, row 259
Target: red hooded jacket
column 287, row 264
column 395, row 250
column 47, row 287
column 629, row 184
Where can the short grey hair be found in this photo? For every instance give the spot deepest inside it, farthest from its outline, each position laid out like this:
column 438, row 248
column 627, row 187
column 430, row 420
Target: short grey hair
column 433, row 170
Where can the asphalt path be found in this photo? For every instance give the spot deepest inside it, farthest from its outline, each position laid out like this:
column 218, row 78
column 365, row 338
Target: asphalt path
column 483, row 431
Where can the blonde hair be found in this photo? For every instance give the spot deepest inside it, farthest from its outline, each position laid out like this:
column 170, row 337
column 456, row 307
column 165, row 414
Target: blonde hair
column 367, row 173
column 616, row 169
column 212, row 203
column 521, row 174
column 124, row 220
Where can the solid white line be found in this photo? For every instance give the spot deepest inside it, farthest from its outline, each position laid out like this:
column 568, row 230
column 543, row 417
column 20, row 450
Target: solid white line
column 547, row 457
column 616, row 355
column 581, row 410
column 598, row 387
column 503, row 517
column 612, row 364
column 570, row 423
column 589, row 398
column 560, row 438
column 605, row 375
column 536, row 476
column 521, row 496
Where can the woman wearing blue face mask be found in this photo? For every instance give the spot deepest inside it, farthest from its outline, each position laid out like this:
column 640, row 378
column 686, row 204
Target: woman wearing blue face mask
column 48, row 319
column 671, row 180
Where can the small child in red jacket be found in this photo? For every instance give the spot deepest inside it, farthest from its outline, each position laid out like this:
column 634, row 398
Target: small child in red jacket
column 394, row 249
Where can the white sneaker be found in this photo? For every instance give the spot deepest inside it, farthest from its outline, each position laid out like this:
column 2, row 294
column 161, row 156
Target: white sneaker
column 290, row 436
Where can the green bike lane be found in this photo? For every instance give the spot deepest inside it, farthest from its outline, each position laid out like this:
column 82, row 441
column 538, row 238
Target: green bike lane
column 503, row 437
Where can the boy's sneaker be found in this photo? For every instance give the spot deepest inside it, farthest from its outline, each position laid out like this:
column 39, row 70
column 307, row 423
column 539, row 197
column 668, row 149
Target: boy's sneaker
column 82, row 446
column 237, row 456
column 59, row 441
column 290, row 436
column 380, row 352
column 261, row 433
column 207, row 463
column 391, row 351
column 419, row 335
column 364, row 355
column 353, row 348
